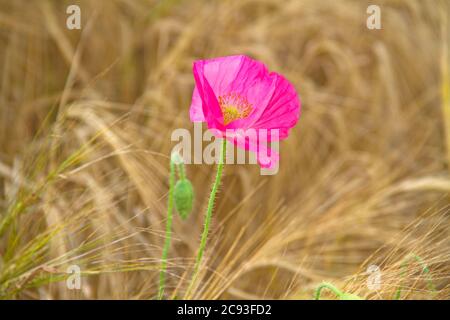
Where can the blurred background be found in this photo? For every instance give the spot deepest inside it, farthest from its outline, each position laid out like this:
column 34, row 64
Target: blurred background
column 86, row 116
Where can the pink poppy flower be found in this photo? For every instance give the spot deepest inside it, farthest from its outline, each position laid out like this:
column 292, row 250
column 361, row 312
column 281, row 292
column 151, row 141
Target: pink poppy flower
column 236, row 95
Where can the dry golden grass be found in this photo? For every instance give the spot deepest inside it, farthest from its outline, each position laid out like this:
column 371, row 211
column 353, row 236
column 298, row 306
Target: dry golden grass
column 85, row 124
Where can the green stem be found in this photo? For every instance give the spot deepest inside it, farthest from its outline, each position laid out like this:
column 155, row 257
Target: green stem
column 329, row 286
column 181, row 172
column 212, row 198
column 425, row 270
column 162, row 274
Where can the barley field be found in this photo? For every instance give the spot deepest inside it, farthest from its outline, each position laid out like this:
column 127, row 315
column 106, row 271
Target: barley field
column 362, row 196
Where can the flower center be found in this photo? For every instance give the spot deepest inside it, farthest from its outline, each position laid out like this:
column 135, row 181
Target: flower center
column 234, row 107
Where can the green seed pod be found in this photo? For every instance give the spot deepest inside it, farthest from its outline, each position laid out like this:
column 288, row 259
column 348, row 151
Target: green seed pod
column 183, row 197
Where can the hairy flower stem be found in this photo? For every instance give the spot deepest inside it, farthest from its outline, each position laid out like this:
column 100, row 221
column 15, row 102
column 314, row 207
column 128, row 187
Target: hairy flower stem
column 329, row 286
column 212, row 198
column 162, row 274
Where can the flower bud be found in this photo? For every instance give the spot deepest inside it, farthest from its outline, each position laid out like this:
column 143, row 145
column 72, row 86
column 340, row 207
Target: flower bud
column 184, row 197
